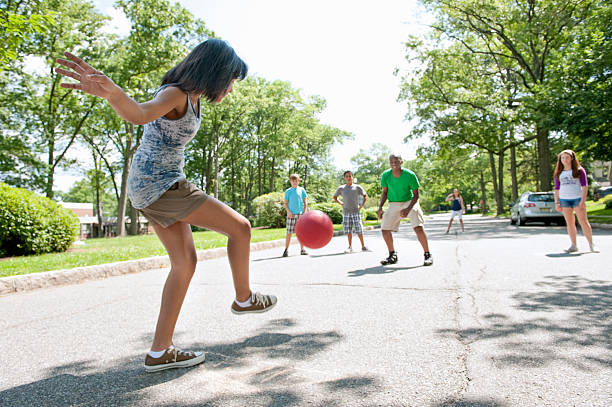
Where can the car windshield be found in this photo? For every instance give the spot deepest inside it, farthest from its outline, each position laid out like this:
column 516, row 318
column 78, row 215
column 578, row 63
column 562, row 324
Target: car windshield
column 541, row 198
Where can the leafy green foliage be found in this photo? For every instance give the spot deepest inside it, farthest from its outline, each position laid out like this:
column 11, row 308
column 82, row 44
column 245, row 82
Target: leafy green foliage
column 18, row 21
column 30, row 224
column 270, row 210
column 371, row 214
column 333, row 210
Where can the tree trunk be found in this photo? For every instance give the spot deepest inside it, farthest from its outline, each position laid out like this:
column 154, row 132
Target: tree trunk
column 127, row 161
column 97, row 174
column 544, row 158
column 610, row 173
column 134, row 223
column 494, row 177
column 208, row 174
column 272, row 174
column 513, row 173
column 216, row 176
column 500, row 181
column 483, row 194
column 122, row 200
column 259, row 165
column 50, row 170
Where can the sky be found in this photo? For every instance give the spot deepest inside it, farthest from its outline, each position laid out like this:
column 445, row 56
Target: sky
column 345, row 51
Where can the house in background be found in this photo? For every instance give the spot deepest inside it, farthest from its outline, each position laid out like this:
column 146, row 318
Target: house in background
column 602, row 172
column 85, row 213
column 89, row 222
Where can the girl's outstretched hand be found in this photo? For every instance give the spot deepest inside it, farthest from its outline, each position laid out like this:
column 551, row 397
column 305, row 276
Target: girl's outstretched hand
column 90, row 79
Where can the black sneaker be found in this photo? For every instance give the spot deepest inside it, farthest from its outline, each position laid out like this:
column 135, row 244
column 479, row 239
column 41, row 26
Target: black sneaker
column 392, row 259
column 303, row 252
column 428, row 259
column 285, row 254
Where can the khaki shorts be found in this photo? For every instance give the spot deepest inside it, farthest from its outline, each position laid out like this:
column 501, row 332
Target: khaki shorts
column 391, row 218
column 175, row 204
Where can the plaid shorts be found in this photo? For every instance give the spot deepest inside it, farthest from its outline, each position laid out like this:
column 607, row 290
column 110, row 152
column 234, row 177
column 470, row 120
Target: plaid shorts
column 351, row 223
column 291, row 223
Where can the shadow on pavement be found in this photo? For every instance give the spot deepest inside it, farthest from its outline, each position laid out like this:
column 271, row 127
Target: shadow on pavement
column 84, row 384
column 380, row 270
column 268, row 357
column 564, row 254
column 582, row 322
column 332, row 254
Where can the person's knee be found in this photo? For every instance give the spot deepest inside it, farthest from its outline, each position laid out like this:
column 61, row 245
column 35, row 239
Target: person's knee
column 186, row 262
column 244, row 228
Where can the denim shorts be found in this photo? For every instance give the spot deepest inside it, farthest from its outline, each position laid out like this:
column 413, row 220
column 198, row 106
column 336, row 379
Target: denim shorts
column 569, row 203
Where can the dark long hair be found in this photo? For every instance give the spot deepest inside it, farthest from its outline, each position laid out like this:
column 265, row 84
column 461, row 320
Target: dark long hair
column 575, row 164
column 208, row 69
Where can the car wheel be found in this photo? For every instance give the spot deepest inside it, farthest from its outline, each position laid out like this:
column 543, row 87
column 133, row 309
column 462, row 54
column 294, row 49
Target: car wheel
column 512, row 220
column 520, row 220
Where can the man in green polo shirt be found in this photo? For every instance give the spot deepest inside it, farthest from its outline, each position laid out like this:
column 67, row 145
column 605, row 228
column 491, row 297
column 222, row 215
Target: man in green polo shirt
column 401, row 187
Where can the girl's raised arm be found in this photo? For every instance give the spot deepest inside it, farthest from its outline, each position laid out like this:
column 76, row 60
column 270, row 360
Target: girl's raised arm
column 96, row 83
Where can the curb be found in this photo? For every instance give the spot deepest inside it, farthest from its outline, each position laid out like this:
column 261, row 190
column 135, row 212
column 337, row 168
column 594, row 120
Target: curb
column 605, row 226
column 55, row 278
column 28, row 282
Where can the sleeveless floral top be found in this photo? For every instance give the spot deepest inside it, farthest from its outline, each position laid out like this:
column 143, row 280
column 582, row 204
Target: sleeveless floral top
column 159, row 159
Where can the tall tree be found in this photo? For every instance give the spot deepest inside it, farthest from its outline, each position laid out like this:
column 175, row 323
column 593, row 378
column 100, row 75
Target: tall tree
column 55, row 115
column 579, row 101
column 160, row 36
column 524, row 33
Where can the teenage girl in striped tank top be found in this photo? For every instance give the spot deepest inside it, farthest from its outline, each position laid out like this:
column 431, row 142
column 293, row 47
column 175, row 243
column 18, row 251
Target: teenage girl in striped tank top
column 158, row 187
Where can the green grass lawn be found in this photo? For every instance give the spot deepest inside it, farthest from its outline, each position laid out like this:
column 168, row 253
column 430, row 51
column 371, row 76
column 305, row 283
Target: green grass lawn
column 598, row 213
column 109, row 250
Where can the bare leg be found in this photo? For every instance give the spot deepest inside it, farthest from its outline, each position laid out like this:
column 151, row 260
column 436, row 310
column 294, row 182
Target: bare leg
column 422, row 236
column 178, row 241
column 570, row 221
column 217, row 216
column 450, row 222
column 287, row 241
column 360, row 235
column 583, row 219
column 462, row 227
column 388, row 239
column 350, row 239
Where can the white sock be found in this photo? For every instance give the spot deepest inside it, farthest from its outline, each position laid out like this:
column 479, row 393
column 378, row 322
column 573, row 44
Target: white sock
column 244, row 303
column 157, row 354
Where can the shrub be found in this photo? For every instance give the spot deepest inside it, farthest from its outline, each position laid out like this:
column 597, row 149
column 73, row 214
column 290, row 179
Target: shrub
column 270, row 210
column 371, row 214
column 31, row 224
column 609, row 204
column 333, row 210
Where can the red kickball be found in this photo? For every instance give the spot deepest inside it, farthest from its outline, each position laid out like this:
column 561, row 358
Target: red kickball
column 314, row 229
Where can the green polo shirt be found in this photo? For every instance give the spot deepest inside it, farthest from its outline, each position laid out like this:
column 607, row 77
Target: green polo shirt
column 400, row 189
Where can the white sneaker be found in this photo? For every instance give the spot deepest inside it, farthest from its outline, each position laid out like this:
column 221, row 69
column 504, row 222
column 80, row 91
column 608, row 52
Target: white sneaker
column 572, row 249
column 349, row 250
column 594, row 248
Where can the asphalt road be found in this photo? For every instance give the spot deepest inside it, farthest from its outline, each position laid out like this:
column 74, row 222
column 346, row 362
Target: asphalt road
column 502, row 318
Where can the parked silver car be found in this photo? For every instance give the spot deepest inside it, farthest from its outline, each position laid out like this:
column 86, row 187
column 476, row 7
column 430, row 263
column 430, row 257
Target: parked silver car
column 536, row 207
